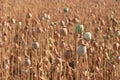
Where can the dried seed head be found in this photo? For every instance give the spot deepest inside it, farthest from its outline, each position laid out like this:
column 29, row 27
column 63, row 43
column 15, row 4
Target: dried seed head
column 103, row 45
column 26, row 28
column 4, row 38
column 118, row 33
column 39, row 30
column 62, row 23
column 116, row 46
column 82, row 49
column 119, row 58
column 53, row 24
column 87, row 36
column 5, row 66
column 68, row 54
column 76, row 20
column 58, row 60
column 10, row 28
column 107, row 56
column 29, row 15
column 64, row 31
column 27, row 62
column 35, row 45
column 25, row 71
column 13, row 20
column 51, row 42
column 46, row 16
column 97, row 69
column 62, row 44
column 19, row 24
column 57, row 35
column 4, row 23
column 79, row 28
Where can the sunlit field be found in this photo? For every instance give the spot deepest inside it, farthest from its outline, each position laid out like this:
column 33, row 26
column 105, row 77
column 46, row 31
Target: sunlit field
column 59, row 39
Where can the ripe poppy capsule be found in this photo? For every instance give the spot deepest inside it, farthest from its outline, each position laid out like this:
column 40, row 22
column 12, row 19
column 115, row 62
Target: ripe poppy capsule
column 87, row 36
column 35, row 45
column 13, row 21
column 29, row 15
column 6, row 66
column 82, row 49
column 27, row 62
column 64, row 31
column 79, row 28
column 68, row 54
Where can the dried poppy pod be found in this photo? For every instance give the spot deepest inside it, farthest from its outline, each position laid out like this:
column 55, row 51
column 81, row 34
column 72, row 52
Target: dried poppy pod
column 79, row 28
column 68, row 54
column 82, row 49
column 57, row 35
column 76, row 20
column 107, row 56
column 95, row 44
column 62, row 23
column 87, row 36
column 4, row 23
column 26, row 28
column 116, row 46
column 19, row 24
column 46, row 16
column 5, row 66
column 119, row 58
column 29, row 15
column 97, row 69
column 13, row 21
column 64, row 31
column 57, row 60
column 118, row 33
column 25, row 71
column 35, row 45
column 27, row 62
column 62, row 44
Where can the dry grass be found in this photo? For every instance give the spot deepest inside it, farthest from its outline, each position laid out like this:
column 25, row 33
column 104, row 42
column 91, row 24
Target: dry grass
column 39, row 40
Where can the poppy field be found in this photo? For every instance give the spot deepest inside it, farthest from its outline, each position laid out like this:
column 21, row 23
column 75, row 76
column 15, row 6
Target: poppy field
column 59, row 39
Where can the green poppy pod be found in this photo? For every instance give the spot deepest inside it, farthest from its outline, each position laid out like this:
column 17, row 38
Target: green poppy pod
column 118, row 33
column 66, row 9
column 79, row 28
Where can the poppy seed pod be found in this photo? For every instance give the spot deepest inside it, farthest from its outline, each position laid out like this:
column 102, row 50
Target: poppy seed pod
column 66, row 9
column 29, row 15
column 64, row 31
column 35, row 45
column 68, row 54
column 116, row 46
column 82, row 49
column 13, row 20
column 79, row 28
column 87, row 36
column 57, row 60
column 5, row 66
column 118, row 33
column 19, row 24
column 119, row 58
column 27, row 62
